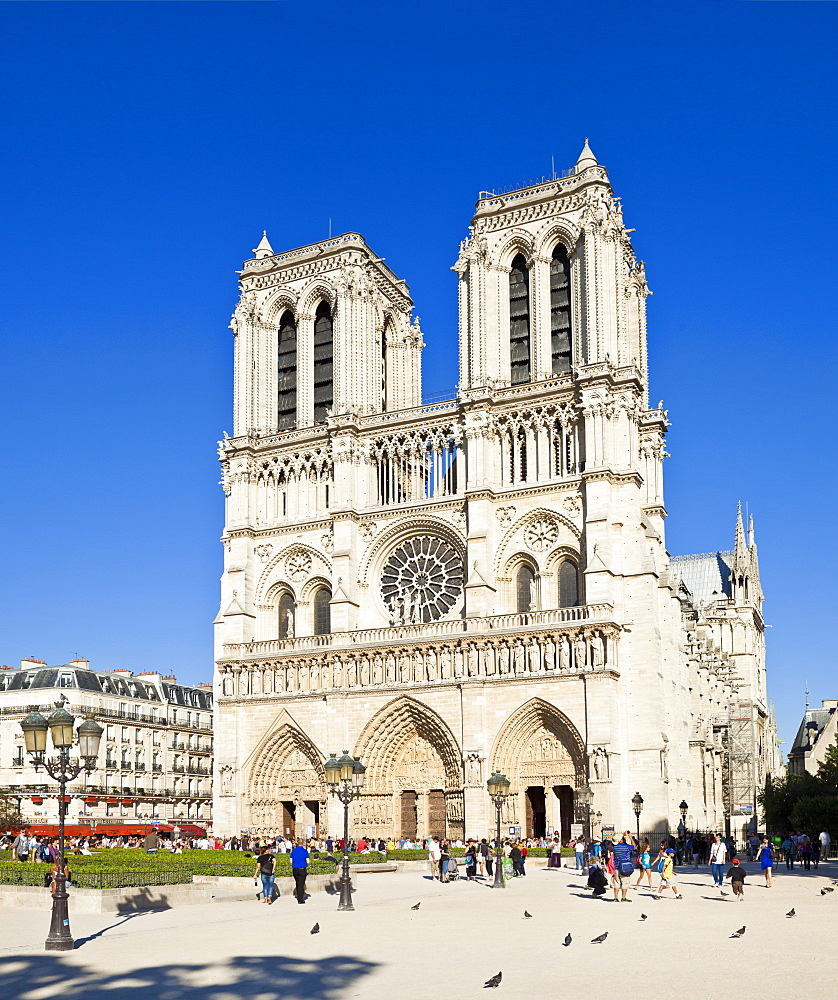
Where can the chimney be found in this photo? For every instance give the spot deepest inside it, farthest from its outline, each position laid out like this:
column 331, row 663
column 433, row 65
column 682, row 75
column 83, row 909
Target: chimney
column 81, row 663
column 30, row 661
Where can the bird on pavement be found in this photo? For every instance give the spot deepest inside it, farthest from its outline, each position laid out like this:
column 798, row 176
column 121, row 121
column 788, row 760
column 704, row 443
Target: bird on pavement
column 417, row 906
column 527, row 916
column 724, row 893
column 791, row 912
column 567, row 940
column 494, row 982
column 643, row 916
column 827, row 889
column 600, row 939
column 315, row 929
column 738, row 933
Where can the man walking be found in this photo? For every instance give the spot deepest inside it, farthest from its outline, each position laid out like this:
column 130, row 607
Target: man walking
column 718, row 856
column 825, row 841
column 20, row 846
column 434, row 856
column 299, row 869
column 624, row 853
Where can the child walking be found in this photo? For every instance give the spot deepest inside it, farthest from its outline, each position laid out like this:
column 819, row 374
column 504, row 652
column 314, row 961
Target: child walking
column 667, row 873
column 736, row 874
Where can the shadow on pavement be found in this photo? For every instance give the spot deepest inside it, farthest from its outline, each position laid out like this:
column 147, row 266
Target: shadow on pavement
column 275, row 977
column 92, row 937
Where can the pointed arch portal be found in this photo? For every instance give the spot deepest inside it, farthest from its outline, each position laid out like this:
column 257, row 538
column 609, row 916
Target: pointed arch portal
column 287, row 786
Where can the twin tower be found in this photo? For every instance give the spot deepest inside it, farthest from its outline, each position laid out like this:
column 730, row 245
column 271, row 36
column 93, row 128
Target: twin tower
column 463, row 587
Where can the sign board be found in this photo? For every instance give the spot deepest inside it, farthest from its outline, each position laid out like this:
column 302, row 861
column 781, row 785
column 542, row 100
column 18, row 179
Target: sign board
column 576, row 830
column 607, row 831
column 515, row 831
column 743, row 809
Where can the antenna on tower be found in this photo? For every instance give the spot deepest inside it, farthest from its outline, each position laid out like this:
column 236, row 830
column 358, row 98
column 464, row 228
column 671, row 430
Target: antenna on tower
column 330, row 228
column 807, row 695
column 552, row 167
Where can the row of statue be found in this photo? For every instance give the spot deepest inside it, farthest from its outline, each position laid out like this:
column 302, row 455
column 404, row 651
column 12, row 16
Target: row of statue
column 490, row 657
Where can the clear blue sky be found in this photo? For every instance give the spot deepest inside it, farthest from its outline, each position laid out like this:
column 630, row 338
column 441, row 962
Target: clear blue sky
column 146, row 146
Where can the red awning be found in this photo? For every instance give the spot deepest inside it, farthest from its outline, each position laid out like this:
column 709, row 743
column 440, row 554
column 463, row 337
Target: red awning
column 51, row 830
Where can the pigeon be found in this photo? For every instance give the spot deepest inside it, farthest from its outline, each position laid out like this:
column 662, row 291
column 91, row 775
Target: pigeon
column 643, row 916
column 315, row 929
column 494, row 982
column 829, row 888
column 739, row 933
column 527, row 916
column 824, row 891
column 791, row 912
column 600, row 939
column 417, row 906
column 567, row 940
column 724, row 893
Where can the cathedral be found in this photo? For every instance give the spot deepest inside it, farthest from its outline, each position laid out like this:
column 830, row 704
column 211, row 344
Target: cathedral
column 480, row 584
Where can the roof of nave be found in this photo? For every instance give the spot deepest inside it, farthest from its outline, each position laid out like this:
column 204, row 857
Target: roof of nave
column 813, row 724
column 706, row 575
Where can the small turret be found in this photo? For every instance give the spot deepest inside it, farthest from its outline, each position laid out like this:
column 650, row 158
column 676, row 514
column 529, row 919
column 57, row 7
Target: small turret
column 586, row 159
column 264, row 249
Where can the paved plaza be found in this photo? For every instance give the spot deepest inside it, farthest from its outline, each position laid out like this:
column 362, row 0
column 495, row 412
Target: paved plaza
column 461, row 935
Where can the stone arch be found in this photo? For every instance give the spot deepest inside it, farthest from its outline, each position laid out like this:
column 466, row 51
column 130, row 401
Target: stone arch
column 561, row 751
column 564, row 232
column 284, row 777
column 522, row 523
column 387, row 743
column 277, row 303
column 274, row 571
column 389, row 539
column 518, row 241
column 317, row 291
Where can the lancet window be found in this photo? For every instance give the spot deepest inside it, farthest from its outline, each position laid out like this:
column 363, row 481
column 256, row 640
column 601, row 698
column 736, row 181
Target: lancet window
column 568, row 584
column 322, row 611
column 286, row 411
column 519, row 322
column 286, row 616
column 560, row 325
column 525, row 589
column 323, row 362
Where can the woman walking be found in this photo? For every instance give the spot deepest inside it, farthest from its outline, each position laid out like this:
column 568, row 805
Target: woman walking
column 766, row 860
column 444, row 856
column 555, row 854
column 645, row 862
column 265, row 868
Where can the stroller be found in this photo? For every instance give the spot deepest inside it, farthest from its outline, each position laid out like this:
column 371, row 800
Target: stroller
column 453, row 869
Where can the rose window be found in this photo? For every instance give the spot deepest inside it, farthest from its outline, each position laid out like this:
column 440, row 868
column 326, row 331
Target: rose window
column 422, row 580
column 541, row 534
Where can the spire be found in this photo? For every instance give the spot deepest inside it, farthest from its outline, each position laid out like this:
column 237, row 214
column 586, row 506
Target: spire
column 756, row 586
column 264, row 249
column 586, row 159
column 741, row 562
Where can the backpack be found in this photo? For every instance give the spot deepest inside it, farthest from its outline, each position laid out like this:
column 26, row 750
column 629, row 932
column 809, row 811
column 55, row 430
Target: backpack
column 43, row 853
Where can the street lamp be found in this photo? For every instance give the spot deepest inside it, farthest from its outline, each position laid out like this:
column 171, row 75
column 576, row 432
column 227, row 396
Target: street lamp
column 345, row 778
column 637, row 804
column 498, row 786
column 684, row 809
column 585, row 798
column 61, row 768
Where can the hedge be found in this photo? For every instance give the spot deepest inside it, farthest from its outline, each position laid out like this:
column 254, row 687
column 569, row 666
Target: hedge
column 421, row 854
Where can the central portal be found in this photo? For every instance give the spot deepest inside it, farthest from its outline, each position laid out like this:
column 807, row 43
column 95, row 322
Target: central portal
column 409, row 824
column 536, row 812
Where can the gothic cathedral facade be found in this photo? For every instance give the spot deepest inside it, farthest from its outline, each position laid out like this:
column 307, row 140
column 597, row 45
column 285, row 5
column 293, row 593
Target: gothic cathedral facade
column 477, row 585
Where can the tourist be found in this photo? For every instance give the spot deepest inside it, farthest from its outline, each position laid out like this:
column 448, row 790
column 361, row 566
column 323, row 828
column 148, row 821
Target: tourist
column 299, row 869
column 488, row 861
column 435, row 858
column 718, row 857
column 736, row 874
column 805, row 848
column 825, row 842
column 579, row 851
column 597, row 879
column 20, row 846
column 266, row 870
column 788, row 849
column 645, row 861
column 623, row 860
column 53, row 876
column 667, row 874
column 766, row 860
column 471, row 862
column 444, row 858
column 555, row 859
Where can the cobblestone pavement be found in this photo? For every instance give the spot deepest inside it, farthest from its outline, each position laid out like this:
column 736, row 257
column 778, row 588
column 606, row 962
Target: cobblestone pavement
column 462, row 934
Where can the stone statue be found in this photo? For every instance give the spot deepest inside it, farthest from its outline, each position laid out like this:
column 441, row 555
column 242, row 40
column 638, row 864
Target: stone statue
column 226, row 780
column 597, row 650
column 473, row 770
column 580, row 649
column 289, row 623
column 565, row 652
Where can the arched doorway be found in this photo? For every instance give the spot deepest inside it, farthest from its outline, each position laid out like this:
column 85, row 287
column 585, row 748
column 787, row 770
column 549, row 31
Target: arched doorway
column 414, row 774
column 287, row 787
column 543, row 755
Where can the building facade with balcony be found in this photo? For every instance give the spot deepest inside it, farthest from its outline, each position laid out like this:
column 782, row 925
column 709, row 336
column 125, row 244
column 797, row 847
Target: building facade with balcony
column 155, row 760
column 474, row 585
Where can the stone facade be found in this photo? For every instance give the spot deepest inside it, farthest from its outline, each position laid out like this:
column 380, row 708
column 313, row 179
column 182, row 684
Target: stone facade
column 475, row 585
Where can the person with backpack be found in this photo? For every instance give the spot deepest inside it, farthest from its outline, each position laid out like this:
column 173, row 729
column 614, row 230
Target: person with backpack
column 624, row 854
column 266, row 870
column 667, row 873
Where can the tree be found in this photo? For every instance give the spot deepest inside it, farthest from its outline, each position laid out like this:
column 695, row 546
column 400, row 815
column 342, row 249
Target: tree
column 828, row 770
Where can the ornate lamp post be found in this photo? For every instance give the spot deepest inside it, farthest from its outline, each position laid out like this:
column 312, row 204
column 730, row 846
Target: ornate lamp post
column 684, row 810
column 585, row 798
column 637, row 805
column 61, row 768
column 345, row 778
column 498, row 786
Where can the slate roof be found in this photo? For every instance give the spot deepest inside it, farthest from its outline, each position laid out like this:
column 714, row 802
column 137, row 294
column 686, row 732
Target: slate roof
column 813, row 724
column 706, row 575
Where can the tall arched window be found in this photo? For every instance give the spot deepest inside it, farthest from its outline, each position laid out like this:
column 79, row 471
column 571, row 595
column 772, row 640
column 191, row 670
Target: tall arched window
column 568, row 584
column 322, row 612
column 286, row 616
column 560, row 332
column 519, row 322
column 286, row 410
column 525, row 589
column 323, row 358
column 384, row 335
